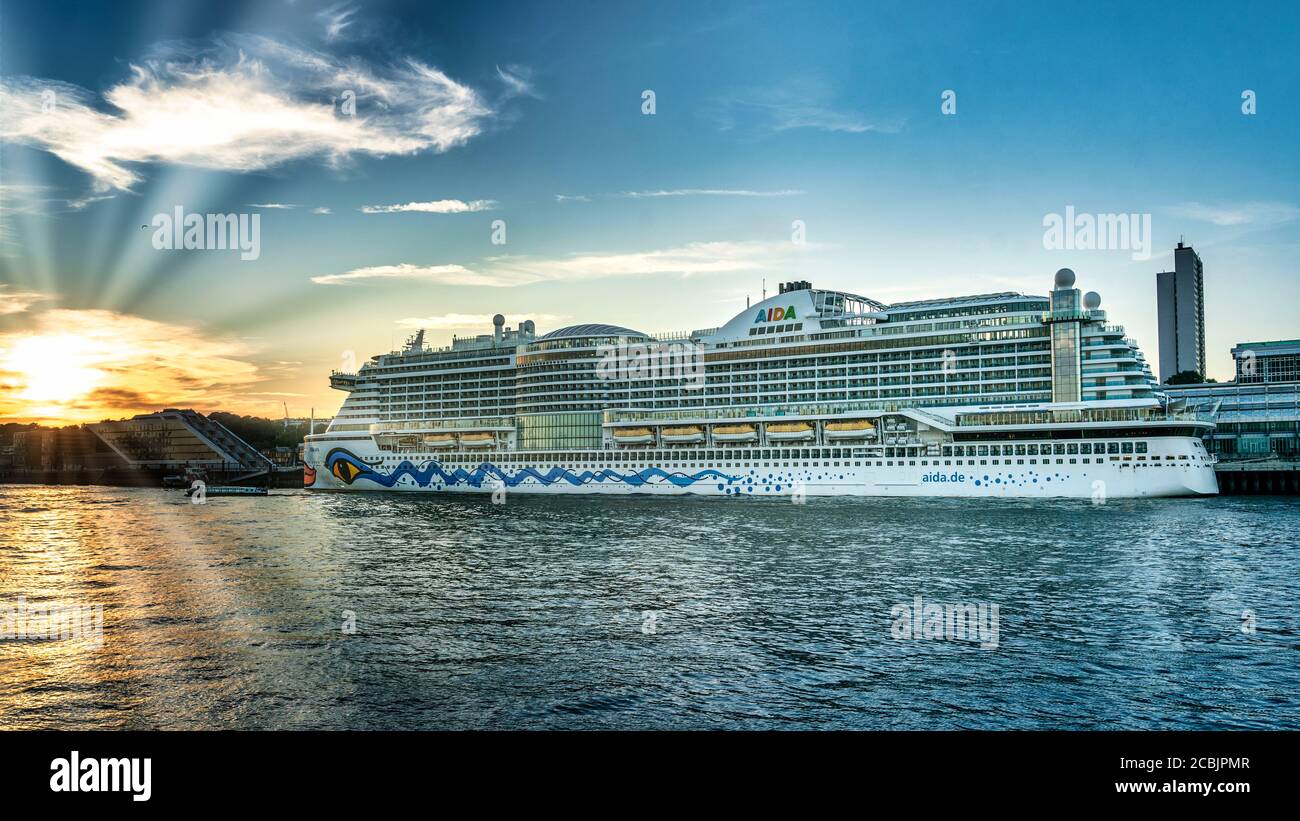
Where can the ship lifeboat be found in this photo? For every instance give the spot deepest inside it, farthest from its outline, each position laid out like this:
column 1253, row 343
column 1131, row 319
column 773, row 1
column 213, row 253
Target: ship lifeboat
column 477, row 440
column 439, row 440
column 789, row 431
column 685, row 435
column 633, row 436
column 849, row 429
column 735, row 433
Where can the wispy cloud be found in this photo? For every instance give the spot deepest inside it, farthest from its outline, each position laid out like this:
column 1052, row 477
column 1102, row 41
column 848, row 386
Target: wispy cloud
column 442, row 274
column 507, row 271
column 17, row 302
column 272, row 205
column 710, row 192
column 336, row 19
column 682, row 192
column 453, row 322
column 799, row 104
column 433, row 207
column 321, row 211
column 240, row 103
column 518, row 81
column 1244, row 213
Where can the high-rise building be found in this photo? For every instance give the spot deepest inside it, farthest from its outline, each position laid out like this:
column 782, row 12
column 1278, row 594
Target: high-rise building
column 1180, row 295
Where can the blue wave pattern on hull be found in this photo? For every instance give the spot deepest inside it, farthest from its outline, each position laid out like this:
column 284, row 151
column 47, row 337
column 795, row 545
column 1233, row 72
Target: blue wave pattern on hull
column 476, row 477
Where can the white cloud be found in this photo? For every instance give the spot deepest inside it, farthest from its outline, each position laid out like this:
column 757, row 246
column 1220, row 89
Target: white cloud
column 506, row 271
column 572, row 198
column 321, row 210
column 434, row 207
column 272, row 205
column 1245, row 213
column 448, row 322
column 241, row 103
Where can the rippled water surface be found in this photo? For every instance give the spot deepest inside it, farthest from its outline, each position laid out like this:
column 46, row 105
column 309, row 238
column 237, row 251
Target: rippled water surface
column 584, row 612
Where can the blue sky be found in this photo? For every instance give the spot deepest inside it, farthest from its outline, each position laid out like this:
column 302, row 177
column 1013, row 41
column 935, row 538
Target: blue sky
column 765, row 114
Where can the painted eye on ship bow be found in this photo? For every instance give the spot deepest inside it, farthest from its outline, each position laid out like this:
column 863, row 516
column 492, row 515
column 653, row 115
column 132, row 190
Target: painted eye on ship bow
column 345, row 471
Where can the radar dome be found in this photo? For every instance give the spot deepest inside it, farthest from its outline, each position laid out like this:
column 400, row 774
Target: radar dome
column 498, row 320
column 1065, row 278
column 1092, row 300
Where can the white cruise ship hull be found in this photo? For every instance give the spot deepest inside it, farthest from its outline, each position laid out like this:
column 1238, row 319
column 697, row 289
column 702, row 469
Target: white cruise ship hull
column 1176, row 467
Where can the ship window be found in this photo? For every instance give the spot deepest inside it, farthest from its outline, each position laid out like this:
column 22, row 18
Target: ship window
column 1020, row 451
column 947, row 461
column 1058, row 449
column 1141, row 447
column 835, row 454
column 1085, row 447
column 983, row 450
column 1112, row 447
column 1033, row 451
column 947, row 450
column 804, row 454
column 1072, row 448
column 1128, row 447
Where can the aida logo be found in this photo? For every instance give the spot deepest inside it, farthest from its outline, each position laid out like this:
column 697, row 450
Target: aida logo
column 775, row 315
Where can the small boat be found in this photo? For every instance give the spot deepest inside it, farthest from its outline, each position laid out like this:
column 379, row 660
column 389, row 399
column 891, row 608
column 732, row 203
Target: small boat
column 789, row 431
column 633, row 436
column 439, row 440
column 735, row 433
column 684, row 435
column 228, row 490
column 850, row 429
column 477, row 440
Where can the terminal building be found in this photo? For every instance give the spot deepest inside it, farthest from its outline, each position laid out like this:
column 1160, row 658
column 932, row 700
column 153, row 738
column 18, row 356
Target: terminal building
column 1258, row 415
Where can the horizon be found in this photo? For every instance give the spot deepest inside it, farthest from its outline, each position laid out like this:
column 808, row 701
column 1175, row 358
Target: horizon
column 393, row 167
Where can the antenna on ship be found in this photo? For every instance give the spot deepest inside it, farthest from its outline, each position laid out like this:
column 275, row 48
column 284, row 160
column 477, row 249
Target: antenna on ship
column 764, row 287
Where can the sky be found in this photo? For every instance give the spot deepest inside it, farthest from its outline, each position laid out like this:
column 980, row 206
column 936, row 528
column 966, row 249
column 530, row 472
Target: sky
column 652, row 165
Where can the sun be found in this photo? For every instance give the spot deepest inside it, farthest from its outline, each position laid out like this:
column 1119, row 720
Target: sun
column 52, row 370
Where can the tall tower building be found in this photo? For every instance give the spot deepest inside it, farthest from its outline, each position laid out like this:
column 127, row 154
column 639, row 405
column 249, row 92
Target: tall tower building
column 1180, row 296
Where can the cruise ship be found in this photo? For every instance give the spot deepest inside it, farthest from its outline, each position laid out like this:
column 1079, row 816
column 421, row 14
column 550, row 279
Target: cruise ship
column 809, row 392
